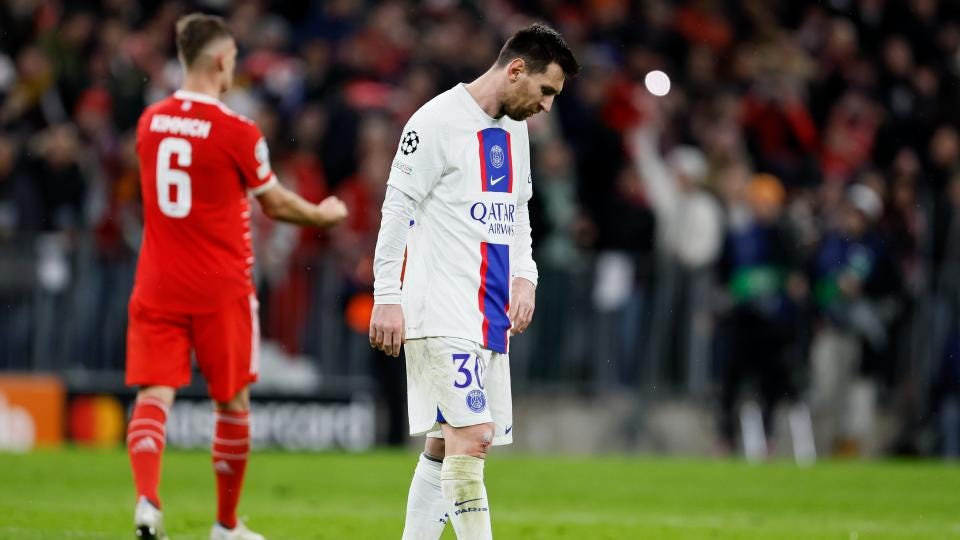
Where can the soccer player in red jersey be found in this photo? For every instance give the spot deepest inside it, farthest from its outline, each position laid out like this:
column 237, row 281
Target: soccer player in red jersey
column 198, row 162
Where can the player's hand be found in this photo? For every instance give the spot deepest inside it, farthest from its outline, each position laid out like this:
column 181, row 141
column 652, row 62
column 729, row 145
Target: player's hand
column 331, row 211
column 387, row 328
column 522, row 304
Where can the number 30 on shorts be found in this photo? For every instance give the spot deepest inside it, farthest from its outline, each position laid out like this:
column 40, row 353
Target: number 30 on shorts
column 468, row 377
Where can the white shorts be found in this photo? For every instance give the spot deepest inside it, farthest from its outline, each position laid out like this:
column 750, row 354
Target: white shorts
column 457, row 382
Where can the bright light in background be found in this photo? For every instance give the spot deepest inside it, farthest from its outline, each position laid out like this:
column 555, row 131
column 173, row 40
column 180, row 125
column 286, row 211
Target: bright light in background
column 657, row 83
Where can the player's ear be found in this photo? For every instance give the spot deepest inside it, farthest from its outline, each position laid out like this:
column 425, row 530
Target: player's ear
column 515, row 68
column 220, row 62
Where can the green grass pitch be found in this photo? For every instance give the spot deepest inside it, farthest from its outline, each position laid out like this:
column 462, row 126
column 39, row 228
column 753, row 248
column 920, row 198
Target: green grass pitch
column 88, row 494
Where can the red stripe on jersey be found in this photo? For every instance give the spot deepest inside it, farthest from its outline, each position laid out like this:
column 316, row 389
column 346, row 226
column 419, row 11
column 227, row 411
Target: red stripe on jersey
column 510, row 163
column 506, row 333
column 483, row 162
column 482, row 293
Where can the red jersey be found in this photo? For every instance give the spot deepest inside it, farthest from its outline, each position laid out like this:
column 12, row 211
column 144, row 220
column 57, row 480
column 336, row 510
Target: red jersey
column 198, row 162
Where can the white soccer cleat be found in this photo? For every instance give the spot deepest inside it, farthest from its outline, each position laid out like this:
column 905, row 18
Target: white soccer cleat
column 240, row 532
column 148, row 521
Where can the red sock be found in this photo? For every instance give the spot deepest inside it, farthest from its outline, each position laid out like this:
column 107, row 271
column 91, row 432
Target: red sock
column 145, row 442
column 231, row 444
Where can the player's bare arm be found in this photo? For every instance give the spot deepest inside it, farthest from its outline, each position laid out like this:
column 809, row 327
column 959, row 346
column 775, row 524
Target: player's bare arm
column 281, row 204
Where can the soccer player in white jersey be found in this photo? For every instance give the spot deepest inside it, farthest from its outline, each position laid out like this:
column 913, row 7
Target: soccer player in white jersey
column 455, row 276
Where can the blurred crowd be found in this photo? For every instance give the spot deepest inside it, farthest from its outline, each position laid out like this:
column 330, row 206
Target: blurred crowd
column 782, row 227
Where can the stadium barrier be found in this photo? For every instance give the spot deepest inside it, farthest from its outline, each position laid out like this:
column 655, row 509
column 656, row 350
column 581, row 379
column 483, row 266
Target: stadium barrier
column 45, row 411
column 338, row 419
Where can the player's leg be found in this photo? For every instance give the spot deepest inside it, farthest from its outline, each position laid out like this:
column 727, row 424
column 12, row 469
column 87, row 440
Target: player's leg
column 158, row 361
column 486, row 398
column 426, row 508
column 227, row 345
column 461, row 479
column 231, row 448
column 478, row 414
column 455, row 382
column 146, row 436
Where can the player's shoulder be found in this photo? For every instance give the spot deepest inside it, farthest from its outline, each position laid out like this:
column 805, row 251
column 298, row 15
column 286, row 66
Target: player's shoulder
column 233, row 116
column 164, row 106
column 213, row 109
column 161, row 106
column 437, row 112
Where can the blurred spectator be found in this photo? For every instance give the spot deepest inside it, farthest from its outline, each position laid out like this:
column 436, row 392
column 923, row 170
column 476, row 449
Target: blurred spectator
column 19, row 204
column 703, row 21
column 688, row 216
column 689, row 238
column 762, row 273
column 779, row 129
column 61, row 185
column 850, row 131
column 856, row 290
column 33, row 103
column 944, row 155
column 68, row 46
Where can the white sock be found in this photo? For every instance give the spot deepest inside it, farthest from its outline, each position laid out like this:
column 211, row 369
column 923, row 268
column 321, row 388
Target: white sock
column 426, row 508
column 461, row 479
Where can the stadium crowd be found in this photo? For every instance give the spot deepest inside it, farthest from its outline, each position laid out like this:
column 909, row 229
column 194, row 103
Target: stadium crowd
column 784, row 224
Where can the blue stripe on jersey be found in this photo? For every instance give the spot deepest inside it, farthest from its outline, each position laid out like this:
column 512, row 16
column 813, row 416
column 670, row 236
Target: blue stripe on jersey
column 496, row 165
column 494, row 294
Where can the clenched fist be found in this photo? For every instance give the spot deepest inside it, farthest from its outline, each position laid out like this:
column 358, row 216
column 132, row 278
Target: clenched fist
column 331, row 211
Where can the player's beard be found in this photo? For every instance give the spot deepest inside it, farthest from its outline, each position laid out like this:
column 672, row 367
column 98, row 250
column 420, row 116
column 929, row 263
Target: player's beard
column 517, row 113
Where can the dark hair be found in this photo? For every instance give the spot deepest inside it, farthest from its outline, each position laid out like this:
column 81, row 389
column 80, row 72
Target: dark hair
column 195, row 31
column 539, row 46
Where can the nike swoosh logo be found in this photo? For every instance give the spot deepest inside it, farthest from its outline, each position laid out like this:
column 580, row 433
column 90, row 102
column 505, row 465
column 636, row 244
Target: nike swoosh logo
column 508, row 430
column 495, row 181
column 466, row 501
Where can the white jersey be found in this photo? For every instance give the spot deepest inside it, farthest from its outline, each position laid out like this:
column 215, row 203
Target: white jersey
column 470, row 177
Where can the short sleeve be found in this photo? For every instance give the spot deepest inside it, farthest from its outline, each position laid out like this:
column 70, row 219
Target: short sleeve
column 419, row 161
column 253, row 158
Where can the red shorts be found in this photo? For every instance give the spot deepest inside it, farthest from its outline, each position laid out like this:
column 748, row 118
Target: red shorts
column 226, row 344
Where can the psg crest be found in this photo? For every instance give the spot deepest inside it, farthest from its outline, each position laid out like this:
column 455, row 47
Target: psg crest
column 496, row 156
column 409, row 143
column 477, row 401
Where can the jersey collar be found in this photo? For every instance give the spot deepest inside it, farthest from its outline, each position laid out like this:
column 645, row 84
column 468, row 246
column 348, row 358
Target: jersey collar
column 186, row 95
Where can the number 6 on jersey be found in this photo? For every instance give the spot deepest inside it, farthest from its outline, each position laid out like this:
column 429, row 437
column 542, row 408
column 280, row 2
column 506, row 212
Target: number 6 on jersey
column 168, row 178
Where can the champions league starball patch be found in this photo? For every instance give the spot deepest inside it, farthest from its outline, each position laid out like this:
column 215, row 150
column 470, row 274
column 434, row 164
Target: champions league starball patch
column 477, row 401
column 409, row 143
